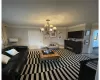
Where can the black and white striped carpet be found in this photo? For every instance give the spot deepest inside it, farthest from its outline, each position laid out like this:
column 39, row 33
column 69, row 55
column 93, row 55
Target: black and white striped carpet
column 65, row 68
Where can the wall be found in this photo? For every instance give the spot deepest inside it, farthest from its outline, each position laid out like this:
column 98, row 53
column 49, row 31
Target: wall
column 4, row 35
column 22, row 34
column 76, row 28
column 35, row 39
column 60, row 41
column 86, row 37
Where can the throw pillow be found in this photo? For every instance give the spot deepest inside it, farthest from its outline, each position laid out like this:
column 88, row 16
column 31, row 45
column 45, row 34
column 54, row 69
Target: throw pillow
column 5, row 59
column 12, row 52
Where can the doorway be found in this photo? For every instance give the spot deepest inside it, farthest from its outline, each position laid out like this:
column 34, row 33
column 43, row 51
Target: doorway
column 95, row 43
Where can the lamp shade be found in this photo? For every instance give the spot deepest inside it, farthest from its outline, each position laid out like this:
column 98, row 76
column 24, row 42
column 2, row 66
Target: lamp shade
column 42, row 29
column 50, row 30
column 51, row 25
column 54, row 28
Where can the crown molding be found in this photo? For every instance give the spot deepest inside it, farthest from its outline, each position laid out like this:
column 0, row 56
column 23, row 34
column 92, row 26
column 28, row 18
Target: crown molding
column 22, row 27
column 32, row 27
column 79, row 25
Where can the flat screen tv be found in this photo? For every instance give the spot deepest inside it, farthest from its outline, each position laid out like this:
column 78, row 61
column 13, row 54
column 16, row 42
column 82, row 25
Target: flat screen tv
column 76, row 34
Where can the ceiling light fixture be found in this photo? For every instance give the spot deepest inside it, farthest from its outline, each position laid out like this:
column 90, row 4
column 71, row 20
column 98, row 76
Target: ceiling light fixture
column 48, row 28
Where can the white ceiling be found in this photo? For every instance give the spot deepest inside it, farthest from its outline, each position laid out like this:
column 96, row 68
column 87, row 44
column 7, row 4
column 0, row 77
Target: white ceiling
column 62, row 13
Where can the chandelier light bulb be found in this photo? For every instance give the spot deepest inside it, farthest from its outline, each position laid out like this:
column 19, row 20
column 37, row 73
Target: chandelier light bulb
column 51, row 25
column 42, row 29
column 50, row 29
column 54, row 28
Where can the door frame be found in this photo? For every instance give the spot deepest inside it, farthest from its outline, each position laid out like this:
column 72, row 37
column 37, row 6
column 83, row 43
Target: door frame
column 91, row 42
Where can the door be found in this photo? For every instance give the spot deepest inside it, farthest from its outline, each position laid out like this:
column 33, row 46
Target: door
column 35, row 39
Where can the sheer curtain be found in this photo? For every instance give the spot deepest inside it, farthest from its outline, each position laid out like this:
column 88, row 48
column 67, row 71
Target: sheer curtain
column 4, row 36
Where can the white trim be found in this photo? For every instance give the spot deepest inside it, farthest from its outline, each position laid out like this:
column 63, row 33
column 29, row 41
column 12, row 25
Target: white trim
column 32, row 27
column 79, row 25
column 23, row 27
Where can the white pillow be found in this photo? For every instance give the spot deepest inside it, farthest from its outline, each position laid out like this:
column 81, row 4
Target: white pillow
column 12, row 52
column 5, row 59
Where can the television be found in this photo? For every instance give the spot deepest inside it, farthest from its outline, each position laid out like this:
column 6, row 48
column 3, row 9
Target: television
column 76, row 34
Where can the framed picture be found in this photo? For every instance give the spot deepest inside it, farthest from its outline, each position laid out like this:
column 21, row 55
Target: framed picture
column 52, row 34
column 87, row 33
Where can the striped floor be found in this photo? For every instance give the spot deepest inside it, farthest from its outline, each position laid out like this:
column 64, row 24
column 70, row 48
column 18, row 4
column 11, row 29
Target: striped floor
column 65, row 68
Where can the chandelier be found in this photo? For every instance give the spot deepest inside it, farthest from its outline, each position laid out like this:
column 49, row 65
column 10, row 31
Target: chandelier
column 48, row 28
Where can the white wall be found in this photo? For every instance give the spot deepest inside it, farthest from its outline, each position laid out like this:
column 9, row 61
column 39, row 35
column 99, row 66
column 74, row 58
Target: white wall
column 58, row 40
column 22, row 34
column 77, row 27
column 4, row 41
column 35, row 39
column 86, row 37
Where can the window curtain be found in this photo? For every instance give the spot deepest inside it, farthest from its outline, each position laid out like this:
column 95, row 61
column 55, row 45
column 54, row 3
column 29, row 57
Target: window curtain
column 4, row 36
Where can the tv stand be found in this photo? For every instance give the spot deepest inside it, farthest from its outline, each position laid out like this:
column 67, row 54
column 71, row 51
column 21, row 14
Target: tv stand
column 74, row 46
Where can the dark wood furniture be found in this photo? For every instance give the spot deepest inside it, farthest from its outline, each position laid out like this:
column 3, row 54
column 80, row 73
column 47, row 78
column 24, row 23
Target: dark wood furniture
column 76, row 34
column 74, row 46
column 88, row 72
column 49, row 56
column 14, row 67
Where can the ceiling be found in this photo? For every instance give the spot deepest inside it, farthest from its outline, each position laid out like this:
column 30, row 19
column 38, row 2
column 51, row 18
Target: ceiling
column 62, row 13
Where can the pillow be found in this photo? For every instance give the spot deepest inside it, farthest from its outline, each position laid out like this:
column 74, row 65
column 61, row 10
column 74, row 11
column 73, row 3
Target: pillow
column 5, row 53
column 12, row 52
column 5, row 59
